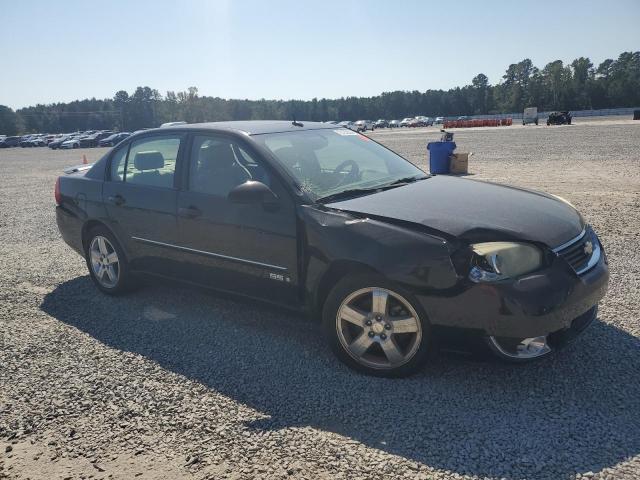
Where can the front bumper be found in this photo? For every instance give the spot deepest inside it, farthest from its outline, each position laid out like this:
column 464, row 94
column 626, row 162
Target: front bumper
column 538, row 304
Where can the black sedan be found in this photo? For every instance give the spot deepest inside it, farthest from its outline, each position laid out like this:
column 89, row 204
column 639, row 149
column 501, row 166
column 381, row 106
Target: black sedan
column 8, row 142
column 93, row 139
column 113, row 139
column 325, row 220
column 559, row 118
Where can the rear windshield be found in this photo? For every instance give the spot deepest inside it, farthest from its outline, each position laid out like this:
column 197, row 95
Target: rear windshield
column 329, row 161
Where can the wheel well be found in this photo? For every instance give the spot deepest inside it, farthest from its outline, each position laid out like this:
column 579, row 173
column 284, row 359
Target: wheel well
column 89, row 225
column 334, row 273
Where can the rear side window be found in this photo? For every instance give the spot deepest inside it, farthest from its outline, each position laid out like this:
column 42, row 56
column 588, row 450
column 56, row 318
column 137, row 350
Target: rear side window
column 118, row 160
column 152, row 161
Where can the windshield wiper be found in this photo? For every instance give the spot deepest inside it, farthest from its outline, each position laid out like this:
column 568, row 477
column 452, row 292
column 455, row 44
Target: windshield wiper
column 352, row 192
column 404, row 181
column 378, row 188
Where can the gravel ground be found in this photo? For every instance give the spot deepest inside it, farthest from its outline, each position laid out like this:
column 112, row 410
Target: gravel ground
column 174, row 383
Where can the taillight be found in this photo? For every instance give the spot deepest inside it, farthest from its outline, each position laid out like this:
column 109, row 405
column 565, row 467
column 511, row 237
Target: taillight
column 56, row 192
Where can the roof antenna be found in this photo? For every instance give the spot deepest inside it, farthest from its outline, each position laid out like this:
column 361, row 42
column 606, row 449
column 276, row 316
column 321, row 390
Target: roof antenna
column 296, row 124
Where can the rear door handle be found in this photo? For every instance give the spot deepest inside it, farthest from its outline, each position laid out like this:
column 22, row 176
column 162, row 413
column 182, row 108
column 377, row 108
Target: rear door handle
column 189, row 212
column 117, row 199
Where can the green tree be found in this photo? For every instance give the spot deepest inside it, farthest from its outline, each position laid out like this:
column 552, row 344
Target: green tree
column 480, row 84
column 9, row 121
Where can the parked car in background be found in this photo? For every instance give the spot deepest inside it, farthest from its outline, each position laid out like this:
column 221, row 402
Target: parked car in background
column 57, row 141
column 424, row 121
column 559, row 118
column 8, row 142
column 73, row 142
column 25, row 141
column 406, row 121
column 364, row 125
column 381, row 123
column 113, row 139
column 34, row 140
column 390, row 279
column 348, row 124
column 439, row 120
column 92, row 140
column 37, row 141
column 394, row 124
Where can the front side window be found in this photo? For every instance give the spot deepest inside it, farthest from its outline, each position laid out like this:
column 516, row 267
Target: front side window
column 152, row 161
column 218, row 164
column 326, row 162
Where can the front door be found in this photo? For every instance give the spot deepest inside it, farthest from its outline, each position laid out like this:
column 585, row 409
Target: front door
column 141, row 201
column 250, row 249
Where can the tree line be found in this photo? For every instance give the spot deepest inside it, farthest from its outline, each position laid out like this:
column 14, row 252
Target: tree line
column 578, row 85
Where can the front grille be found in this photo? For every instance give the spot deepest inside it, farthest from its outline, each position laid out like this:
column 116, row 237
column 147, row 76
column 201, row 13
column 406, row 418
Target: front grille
column 579, row 253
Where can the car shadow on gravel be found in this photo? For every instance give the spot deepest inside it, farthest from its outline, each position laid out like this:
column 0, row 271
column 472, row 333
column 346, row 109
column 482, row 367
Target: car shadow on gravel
column 576, row 411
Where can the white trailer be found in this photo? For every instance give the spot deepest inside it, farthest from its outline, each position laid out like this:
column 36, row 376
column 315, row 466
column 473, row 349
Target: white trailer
column 530, row 115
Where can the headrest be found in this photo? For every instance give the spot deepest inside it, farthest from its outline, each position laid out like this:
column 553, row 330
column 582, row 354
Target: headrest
column 218, row 155
column 150, row 160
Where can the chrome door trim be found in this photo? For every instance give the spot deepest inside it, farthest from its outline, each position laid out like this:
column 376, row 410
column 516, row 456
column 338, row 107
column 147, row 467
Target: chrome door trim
column 209, row 254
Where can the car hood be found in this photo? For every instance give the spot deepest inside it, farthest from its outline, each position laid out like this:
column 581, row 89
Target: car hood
column 473, row 210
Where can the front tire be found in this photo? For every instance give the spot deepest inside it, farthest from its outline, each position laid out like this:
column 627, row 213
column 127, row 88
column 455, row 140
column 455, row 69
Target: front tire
column 376, row 327
column 107, row 263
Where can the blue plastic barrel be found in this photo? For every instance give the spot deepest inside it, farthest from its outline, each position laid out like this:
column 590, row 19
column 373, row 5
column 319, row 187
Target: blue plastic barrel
column 439, row 153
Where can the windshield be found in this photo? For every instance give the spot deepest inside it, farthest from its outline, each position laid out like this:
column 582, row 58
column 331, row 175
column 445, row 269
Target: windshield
column 326, row 162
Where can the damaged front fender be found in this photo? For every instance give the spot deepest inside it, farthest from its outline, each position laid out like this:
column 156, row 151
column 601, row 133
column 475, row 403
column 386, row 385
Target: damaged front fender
column 418, row 260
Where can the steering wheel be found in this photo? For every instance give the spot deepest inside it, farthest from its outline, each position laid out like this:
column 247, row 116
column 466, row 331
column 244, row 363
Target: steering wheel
column 353, row 174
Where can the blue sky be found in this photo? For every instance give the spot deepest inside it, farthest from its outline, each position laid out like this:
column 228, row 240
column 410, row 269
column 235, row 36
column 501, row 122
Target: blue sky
column 67, row 50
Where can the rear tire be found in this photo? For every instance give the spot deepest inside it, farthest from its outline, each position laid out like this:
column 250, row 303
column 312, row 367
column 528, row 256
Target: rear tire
column 376, row 327
column 107, row 263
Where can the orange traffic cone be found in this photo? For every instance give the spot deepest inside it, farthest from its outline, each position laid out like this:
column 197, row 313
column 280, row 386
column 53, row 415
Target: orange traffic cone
column 84, row 159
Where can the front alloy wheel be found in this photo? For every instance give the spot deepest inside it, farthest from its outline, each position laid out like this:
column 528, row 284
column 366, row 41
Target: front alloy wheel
column 375, row 329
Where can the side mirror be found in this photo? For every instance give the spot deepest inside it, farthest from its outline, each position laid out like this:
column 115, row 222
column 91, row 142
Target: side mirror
column 252, row 191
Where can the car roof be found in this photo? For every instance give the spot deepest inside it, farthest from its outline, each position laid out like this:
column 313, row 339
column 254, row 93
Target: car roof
column 249, row 127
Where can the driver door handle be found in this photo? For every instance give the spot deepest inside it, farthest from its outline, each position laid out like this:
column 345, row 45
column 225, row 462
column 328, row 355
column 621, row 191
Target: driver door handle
column 189, row 212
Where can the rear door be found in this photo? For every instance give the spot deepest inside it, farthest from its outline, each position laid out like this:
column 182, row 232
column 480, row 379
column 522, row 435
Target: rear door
column 250, row 249
column 141, row 197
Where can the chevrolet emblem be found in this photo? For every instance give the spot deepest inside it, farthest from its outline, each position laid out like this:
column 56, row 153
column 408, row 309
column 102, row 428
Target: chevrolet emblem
column 588, row 248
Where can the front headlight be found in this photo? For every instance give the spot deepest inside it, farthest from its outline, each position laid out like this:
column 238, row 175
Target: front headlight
column 494, row 261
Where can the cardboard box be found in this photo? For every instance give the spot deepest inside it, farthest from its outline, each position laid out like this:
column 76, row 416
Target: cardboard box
column 459, row 162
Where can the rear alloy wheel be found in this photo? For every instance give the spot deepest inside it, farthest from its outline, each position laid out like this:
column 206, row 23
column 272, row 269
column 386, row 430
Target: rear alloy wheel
column 104, row 261
column 107, row 263
column 376, row 329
